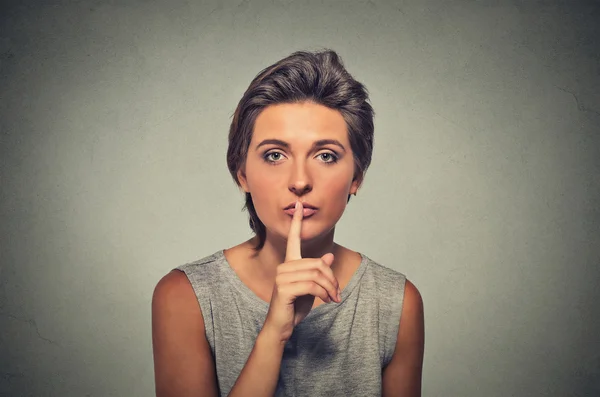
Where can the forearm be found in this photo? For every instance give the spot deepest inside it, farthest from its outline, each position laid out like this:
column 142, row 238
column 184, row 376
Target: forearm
column 261, row 372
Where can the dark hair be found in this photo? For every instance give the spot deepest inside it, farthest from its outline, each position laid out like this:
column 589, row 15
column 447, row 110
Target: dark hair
column 319, row 77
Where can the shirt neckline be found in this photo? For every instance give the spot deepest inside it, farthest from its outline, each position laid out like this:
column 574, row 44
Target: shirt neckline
column 263, row 306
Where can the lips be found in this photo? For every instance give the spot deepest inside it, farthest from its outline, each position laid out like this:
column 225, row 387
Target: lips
column 308, row 209
column 304, row 205
column 306, row 212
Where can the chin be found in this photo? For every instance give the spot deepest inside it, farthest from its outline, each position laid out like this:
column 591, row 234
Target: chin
column 281, row 232
column 313, row 233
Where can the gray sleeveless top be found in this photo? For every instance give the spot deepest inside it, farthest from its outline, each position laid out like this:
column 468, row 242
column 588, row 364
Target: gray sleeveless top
column 339, row 349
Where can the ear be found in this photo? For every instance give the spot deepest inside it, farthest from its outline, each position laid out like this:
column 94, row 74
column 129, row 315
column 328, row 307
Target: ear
column 356, row 182
column 241, row 175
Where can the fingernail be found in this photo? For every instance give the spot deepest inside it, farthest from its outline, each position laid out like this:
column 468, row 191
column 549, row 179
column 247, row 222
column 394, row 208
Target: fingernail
column 297, row 205
column 339, row 294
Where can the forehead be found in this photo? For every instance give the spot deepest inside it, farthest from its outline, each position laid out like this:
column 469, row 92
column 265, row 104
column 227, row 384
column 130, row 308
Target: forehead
column 304, row 121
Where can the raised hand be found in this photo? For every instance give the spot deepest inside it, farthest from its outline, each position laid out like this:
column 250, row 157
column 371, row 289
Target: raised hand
column 298, row 281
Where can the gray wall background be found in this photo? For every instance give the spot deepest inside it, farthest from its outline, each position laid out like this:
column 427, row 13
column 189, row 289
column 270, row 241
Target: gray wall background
column 484, row 188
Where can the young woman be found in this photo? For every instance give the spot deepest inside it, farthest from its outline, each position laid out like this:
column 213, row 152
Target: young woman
column 290, row 312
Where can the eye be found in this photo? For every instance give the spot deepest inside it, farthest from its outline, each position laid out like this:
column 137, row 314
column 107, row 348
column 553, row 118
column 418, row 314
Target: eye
column 329, row 158
column 269, row 159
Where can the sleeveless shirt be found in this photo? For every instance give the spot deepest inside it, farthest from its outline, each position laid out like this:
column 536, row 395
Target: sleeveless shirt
column 339, row 349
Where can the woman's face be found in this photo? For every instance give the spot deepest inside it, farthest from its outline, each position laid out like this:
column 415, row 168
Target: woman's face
column 286, row 162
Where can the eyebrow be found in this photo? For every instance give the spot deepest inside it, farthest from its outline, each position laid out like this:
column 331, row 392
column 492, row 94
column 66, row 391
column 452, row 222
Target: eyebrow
column 316, row 144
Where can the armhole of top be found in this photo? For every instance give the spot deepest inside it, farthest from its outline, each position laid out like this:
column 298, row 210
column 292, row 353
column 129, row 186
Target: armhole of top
column 397, row 304
column 203, row 300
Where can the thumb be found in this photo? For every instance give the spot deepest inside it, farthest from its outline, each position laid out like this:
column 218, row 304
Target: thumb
column 328, row 258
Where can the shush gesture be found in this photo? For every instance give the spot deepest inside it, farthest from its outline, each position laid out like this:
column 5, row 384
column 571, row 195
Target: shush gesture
column 297, row 283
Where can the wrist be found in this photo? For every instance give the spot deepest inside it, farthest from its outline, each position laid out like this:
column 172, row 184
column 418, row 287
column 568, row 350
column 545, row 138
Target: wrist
column 275, row 338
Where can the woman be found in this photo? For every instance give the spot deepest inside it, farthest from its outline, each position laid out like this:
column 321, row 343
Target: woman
column 290, row 312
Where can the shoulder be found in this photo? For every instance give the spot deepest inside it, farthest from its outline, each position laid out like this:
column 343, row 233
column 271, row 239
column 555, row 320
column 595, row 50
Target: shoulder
column 186, row 286
column 206, row 263
column 387, row 278
column 181, row 285
column 398, row 289
column 412, row 309
column 174, row 293
column 203, row 273
column 411, row 331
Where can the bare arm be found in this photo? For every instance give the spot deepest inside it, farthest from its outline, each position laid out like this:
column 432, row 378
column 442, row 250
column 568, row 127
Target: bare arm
column 402, row 376
column 261, row 372
column 183, row 362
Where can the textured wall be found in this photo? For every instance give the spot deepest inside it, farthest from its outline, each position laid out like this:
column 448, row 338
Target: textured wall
column 484, row 188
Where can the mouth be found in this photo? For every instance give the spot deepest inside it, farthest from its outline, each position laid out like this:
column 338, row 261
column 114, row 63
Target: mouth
column 306, row 212
column 308, row 209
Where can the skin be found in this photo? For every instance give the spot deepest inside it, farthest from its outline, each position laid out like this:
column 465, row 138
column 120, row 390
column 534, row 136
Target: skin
column 283, row 272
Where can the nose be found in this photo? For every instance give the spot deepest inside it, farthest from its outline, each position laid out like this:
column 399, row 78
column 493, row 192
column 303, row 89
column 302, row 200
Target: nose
column 300, row 181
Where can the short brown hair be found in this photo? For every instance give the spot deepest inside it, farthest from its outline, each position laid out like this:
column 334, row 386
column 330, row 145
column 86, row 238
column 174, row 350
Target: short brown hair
column 319, row 77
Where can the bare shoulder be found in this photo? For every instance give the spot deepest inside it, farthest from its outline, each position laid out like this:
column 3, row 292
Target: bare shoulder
column 174, row 297
column 174, row 285
column 183, row 363
column 413, row 301
column 411, row 333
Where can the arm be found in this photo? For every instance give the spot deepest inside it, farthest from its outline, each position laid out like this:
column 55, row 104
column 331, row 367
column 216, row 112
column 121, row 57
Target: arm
column 261, row 372
column 402, row 376
column 183, row 363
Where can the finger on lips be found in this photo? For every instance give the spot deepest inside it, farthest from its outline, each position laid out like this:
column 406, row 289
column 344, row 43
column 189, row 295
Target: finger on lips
column 293, row 253
column 294, row 242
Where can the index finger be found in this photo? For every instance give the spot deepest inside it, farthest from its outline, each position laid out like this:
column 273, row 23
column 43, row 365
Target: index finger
column 292, row 251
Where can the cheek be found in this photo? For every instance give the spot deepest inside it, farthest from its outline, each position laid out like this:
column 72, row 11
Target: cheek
column 265, row 190
column 264, row 184
column 338, row 186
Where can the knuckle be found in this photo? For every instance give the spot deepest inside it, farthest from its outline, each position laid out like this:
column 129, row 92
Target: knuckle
column 315, row 289
column 282, row 290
